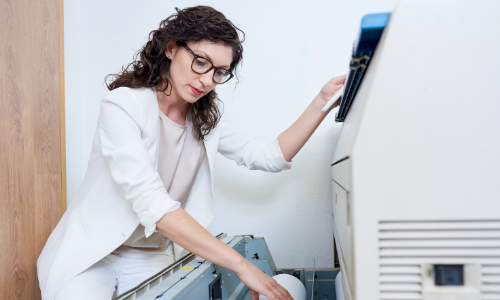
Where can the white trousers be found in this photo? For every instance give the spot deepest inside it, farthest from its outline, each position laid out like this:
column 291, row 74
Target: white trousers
column 115, row 271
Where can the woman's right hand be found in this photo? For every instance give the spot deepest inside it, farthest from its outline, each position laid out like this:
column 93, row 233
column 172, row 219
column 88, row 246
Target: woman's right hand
column 182, row 229
column 259, row 282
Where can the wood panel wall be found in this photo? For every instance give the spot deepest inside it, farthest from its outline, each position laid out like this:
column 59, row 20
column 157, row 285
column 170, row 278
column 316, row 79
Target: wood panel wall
column 32, row 174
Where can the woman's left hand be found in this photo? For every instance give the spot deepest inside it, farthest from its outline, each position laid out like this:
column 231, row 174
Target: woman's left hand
column 329, row 90
column 292, row 139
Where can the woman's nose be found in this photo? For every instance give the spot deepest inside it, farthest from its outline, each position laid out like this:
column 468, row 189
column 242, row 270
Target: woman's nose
column 206, row 79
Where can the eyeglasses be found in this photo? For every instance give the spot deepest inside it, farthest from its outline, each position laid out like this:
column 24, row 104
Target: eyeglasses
column 201, row 65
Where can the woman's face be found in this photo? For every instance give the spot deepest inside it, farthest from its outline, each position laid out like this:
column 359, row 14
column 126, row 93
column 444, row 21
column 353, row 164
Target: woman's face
column 187, row 84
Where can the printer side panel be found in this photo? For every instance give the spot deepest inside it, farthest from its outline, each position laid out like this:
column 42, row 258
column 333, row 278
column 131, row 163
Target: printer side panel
column 422, row 138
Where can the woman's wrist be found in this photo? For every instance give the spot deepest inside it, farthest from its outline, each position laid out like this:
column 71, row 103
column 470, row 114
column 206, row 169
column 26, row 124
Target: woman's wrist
column 321, row 101
column 240, row 265
column 317, row 107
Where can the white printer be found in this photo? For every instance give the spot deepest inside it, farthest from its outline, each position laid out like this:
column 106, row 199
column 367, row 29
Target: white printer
column 416, row 170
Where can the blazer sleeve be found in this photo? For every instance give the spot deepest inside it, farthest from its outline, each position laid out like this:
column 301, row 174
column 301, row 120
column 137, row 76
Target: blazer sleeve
column 246, row 150
column 120, row 123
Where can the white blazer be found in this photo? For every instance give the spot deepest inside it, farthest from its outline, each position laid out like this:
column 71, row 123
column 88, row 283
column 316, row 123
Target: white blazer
column 122, row 187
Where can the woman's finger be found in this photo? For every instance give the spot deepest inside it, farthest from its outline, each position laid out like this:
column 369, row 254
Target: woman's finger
column 254, row 294
column 332, row 86
column 282, row 293
column 338, row 80
column 278, row 292
column 258, row 282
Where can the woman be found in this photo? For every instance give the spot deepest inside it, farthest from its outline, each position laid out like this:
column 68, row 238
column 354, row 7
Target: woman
column 147, row 193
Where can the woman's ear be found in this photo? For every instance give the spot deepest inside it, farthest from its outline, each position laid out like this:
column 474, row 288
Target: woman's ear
column 171, row 49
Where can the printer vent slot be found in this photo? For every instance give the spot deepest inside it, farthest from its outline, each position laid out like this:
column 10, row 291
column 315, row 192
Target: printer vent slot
column 490, row 281
column 400, row 281
column 406, row 246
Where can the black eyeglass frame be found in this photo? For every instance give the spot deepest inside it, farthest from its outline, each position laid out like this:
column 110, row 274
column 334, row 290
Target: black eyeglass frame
column 195, row 56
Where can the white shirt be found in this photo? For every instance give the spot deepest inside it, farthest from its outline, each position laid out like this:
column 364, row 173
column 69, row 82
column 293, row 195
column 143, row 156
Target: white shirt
column 180, row 156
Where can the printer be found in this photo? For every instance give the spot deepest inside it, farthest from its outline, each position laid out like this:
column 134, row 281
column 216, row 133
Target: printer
column 416, row 169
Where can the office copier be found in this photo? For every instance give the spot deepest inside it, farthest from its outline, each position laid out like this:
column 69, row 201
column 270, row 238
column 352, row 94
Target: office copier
column 415, row 173
column 416, row 169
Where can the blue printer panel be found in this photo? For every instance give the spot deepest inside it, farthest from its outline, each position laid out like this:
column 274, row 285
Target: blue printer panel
column 372, row 27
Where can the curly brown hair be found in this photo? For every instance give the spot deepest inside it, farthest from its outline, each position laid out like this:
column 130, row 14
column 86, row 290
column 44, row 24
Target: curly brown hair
column 150, row 67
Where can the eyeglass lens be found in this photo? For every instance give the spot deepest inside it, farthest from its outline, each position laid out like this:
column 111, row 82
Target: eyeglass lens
column 201, row 65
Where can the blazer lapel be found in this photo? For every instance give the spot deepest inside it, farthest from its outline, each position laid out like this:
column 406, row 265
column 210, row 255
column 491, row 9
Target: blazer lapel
column 211, row 144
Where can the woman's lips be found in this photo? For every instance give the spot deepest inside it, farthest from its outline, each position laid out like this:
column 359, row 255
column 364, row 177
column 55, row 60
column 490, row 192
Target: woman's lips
column 196, row 91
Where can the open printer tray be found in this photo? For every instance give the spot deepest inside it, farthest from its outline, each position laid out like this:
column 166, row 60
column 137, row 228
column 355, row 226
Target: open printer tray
column 193, row 277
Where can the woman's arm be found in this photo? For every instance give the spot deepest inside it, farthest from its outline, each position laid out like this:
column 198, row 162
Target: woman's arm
column 120, row 127
column 182, row 229
column 294, row 138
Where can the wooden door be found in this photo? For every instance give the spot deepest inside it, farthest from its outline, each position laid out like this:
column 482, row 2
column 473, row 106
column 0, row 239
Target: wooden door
column 32, row 157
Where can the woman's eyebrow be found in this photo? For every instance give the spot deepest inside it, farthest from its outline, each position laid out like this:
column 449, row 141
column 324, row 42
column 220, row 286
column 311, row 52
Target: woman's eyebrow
column 207, row 56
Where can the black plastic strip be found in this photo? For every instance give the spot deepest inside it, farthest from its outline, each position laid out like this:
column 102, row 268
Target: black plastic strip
column 339, row 161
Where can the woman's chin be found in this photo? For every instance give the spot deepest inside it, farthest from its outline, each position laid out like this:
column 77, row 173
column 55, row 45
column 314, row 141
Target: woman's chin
column 191, row 98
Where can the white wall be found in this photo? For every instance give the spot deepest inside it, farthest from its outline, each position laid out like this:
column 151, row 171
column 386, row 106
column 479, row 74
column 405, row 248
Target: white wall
column 292, row 48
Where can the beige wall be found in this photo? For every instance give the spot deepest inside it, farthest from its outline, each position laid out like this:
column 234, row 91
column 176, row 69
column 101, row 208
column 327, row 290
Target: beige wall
column 32, row 181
